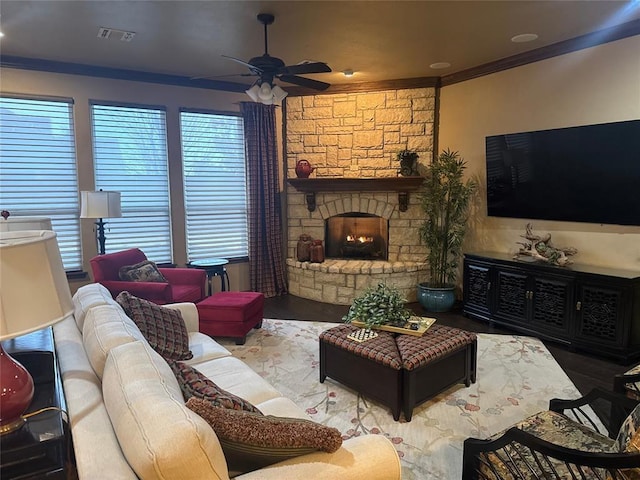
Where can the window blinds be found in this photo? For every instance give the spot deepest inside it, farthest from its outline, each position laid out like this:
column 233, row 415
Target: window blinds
column 214, row 176
column 130, row 157
column 38, row 168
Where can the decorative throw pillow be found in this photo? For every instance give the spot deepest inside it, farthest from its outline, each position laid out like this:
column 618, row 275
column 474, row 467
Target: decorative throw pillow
column 195, row 384
column 162, row 327
column 146, row 271
column 251, row 441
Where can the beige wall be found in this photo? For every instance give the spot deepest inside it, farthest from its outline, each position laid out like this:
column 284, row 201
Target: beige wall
column 83, row 89
column 595, row 85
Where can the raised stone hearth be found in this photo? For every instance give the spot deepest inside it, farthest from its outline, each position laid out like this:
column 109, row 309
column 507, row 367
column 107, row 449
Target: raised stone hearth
column 340, row 281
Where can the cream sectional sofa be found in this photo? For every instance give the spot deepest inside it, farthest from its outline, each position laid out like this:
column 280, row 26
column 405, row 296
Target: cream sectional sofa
column 128, row 417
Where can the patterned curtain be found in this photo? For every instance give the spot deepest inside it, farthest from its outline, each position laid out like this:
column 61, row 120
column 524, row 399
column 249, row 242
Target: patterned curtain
column 266, row 259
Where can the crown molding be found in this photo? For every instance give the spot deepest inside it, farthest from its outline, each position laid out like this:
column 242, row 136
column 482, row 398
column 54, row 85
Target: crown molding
column 592, row 39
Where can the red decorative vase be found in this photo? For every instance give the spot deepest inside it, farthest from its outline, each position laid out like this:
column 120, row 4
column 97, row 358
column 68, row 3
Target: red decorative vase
column 304, row 169
column 317, row 252
column 304, row 248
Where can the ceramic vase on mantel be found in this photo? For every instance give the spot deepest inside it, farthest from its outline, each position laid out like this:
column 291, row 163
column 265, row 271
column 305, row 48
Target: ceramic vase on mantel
column 303, row 169
column 436, row 299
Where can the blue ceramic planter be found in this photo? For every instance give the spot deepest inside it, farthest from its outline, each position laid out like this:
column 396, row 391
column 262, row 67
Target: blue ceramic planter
column 434, row 299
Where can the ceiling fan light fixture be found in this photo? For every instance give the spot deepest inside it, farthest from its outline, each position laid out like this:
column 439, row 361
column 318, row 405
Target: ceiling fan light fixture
column 278, row 94
column 253, row 93
column 265, row 92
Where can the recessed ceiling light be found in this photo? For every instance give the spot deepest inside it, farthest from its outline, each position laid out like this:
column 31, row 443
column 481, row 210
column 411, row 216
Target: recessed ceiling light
column 1, row 34
column 439, row 65
column 348, row 72
column 524, row 37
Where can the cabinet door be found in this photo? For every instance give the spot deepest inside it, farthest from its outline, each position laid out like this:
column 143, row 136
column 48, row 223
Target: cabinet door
column 600, row 314
column 477, row 288
column 511, row 296
column 552, row 304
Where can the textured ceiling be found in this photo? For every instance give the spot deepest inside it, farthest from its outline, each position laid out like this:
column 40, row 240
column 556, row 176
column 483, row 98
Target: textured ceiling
column 379, row 40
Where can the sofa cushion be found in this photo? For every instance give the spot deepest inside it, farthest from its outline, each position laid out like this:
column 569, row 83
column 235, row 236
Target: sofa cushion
column 145, row 271
column 159, row 436
column 251, row 441
column 195, row 384
column 106, row 327
column 163, row 327
column 87, row 297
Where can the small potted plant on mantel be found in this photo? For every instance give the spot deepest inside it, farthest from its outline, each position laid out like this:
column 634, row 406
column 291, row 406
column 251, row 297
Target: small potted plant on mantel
column 445, row 202
column 408, row 159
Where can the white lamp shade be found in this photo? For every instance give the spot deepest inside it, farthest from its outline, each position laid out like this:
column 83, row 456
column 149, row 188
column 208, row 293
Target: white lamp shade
column 34, row 292
column 264, row 94
column 13, row 224
column 253, row 93
column 101, row 204
column 278, row 94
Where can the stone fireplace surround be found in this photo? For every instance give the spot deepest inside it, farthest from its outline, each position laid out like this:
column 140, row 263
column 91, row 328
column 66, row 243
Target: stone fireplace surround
column 357, row 136
column 339, row 281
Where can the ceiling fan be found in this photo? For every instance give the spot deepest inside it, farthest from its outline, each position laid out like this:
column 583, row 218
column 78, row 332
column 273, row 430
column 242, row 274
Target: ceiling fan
column 267, row 68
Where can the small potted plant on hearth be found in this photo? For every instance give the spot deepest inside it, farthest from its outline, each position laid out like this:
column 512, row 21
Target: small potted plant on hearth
column 445, row 201
column 379, row 305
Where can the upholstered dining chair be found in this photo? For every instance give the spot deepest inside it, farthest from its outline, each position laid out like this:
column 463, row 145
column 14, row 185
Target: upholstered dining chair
column 566, row 442
column 131, row 271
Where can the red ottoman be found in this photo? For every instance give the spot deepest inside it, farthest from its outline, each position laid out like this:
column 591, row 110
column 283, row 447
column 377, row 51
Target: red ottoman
column 231, row 314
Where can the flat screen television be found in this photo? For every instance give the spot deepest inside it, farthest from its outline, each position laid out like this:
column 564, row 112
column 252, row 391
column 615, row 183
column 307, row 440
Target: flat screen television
column 578, row 174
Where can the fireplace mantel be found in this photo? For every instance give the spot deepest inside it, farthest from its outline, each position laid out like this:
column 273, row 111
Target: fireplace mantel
column 402, row 185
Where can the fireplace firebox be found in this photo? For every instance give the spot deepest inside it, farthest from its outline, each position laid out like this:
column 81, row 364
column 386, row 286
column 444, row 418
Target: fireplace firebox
column 357, row 235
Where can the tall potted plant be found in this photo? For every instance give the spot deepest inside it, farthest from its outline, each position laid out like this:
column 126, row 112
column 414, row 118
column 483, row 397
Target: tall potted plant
column 445, row 201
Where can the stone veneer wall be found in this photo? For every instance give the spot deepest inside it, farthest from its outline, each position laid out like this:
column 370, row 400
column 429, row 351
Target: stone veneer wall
column 357, row 135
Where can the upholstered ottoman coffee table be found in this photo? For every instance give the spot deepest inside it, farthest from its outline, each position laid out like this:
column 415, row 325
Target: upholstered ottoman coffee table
column 231, row 314
column 372, row 368
column 400, row 371
column 442, row 357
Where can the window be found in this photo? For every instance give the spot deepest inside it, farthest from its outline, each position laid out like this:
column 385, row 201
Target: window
column 214, row 185
column 38, row 168
column 130, row 157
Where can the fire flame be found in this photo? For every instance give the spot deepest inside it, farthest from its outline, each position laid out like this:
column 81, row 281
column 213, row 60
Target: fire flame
column 360, row 239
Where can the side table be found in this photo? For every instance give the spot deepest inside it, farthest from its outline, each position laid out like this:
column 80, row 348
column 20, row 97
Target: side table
column 214, row 267
column 39, row 449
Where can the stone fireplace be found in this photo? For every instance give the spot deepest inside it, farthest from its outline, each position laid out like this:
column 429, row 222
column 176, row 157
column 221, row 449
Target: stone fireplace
column 368, row 216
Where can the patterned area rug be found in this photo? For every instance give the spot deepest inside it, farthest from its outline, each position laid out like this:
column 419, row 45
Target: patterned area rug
column 516, row 378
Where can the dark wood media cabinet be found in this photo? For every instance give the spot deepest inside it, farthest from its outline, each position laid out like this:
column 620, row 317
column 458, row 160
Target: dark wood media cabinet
column 595, row 309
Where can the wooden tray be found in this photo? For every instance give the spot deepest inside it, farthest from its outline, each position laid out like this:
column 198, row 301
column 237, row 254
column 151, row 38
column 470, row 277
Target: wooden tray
column 404, row 331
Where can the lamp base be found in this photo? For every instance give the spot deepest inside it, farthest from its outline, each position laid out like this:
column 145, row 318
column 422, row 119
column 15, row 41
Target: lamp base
column 16, row 393
column 12, row 427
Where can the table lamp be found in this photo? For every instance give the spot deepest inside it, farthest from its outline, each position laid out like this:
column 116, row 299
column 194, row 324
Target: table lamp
column 100, row 204
column 10, row 224
column 34, row 294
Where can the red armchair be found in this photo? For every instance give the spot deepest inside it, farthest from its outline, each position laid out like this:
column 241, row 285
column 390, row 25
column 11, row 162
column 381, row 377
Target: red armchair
column 183, row 284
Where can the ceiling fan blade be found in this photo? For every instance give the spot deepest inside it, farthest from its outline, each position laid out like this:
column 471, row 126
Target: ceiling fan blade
column 314, row 67
column 223, row 76
column 304, row 82
column 243, row 63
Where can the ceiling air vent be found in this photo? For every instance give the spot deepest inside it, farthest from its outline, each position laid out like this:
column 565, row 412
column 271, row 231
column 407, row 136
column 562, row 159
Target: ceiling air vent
column 123, row 35
column 104, row 32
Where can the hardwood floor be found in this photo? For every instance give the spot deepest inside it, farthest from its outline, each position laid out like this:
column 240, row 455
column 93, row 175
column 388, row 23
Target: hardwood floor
column 585, row 370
